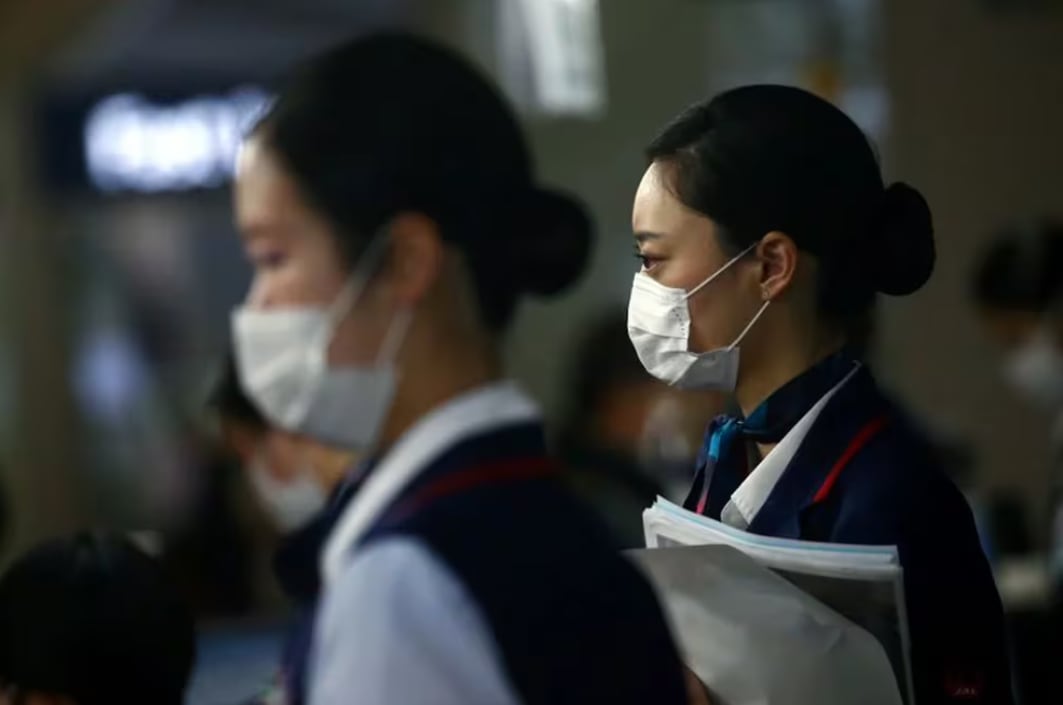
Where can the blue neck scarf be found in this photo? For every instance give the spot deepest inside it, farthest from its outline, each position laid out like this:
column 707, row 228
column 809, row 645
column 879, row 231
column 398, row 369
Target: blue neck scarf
column 723, row 461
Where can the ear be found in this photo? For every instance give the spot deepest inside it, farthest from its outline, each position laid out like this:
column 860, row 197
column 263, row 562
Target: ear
column 778, row 254
column 416, row 258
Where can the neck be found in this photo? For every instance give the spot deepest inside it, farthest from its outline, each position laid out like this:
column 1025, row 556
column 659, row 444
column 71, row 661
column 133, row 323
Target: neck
column 431, row 382
column 788, row 360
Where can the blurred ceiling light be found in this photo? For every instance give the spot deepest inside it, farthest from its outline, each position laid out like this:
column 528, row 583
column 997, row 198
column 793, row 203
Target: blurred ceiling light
column 552, row 55
column 132, row 144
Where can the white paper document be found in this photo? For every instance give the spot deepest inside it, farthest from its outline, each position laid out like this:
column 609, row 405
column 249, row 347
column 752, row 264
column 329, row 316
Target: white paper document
column 768, row 621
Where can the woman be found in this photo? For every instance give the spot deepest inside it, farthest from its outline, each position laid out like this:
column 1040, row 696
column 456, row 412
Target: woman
column 1018, row 290
column 387, row 205
column 626, row 437
column 90, row 620
column 764, row 229
column 293, row 477
column 304, row 487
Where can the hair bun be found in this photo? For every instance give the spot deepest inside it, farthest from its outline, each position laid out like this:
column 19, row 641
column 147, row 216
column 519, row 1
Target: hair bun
column 551, row 243
column 904, row 250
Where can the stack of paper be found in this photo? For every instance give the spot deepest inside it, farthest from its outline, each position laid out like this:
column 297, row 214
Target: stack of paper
column 762, row 620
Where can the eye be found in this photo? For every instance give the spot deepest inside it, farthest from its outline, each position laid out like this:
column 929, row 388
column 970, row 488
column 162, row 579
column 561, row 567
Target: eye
column 647, row 262
column 269, row 259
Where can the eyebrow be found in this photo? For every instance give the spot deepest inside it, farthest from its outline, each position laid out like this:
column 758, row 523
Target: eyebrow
column 642, row 237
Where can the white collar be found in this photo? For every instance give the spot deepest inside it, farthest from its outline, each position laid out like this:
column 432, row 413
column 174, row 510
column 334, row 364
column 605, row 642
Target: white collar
column 751, row 495
column 472, row 413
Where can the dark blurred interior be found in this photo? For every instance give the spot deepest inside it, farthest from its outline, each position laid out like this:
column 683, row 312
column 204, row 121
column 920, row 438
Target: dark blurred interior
column 119, row 123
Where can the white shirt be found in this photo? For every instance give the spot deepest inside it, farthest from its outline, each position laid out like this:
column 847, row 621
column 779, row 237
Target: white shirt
column 396, row 626
column 470, row 414
column 751, row 495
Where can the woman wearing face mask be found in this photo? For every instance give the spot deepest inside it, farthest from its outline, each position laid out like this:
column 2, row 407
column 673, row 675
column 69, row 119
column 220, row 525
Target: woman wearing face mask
column 293, row 476
column 765, row 230
column 1018, row 289
column 304, row 487
column 387, row 204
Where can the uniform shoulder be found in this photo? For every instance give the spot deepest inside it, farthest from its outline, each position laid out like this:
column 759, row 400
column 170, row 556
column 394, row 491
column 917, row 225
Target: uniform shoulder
column 903, row 460
column 896, row 487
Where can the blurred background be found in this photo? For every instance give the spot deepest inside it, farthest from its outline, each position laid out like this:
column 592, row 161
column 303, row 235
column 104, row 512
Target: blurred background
column 120, row 119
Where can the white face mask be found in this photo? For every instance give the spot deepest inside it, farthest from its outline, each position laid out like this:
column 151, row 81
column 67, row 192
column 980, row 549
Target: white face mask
column 1035, row 370
column 290, row 504
column 658, row 323
column 282, row 360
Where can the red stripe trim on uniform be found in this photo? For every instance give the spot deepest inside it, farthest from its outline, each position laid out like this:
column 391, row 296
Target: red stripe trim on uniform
column 494, row 473
column 862, row 438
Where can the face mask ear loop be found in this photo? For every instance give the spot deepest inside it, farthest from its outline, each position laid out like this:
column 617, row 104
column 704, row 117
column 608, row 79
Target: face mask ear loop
column 394, row 338
column 721, row 270
column 359, row 279
column 749, row 327
column 353, row 288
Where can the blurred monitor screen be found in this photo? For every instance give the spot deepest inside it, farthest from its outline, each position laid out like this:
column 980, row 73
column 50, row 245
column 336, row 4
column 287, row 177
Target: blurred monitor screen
column 142, row 141
column 132, row 144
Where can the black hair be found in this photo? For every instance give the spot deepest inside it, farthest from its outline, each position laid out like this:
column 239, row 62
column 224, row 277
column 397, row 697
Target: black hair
column 94, row 619
column 769, row 158
column 394, row 123
column 229, row 401
column 1022, row 268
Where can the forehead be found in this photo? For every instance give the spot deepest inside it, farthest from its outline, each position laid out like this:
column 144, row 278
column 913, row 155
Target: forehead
column 265, row 194
column 657, row 209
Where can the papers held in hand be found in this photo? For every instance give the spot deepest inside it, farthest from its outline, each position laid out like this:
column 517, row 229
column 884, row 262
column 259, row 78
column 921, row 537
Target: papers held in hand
column 767, row 621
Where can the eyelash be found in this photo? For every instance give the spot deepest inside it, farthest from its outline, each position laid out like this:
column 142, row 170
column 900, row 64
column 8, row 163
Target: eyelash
column 645, row 261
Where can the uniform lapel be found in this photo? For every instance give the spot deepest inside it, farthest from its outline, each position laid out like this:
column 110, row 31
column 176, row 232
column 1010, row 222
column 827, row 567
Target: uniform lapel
column 852, row 407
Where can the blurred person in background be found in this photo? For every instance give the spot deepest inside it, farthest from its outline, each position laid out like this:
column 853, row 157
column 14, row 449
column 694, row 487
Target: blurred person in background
column 388, row 206
column 90, row 620
column 303, row 486
column 764, row 228
column 627, row 437
column 293, row 476
column 1017, row 287
column 206, row 546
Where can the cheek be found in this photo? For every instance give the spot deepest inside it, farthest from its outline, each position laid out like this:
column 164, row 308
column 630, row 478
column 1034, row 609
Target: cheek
column 362, row 332
column 305, row 276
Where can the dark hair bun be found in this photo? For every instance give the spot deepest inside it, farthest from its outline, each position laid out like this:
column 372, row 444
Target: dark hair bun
column 551, row 243
column 904, row 249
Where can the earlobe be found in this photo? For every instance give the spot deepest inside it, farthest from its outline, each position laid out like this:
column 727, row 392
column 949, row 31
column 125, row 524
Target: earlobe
column 416, row 258
column 778, row 255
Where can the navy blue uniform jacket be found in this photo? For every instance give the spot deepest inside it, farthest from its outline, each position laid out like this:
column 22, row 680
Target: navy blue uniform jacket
column 893, row 491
